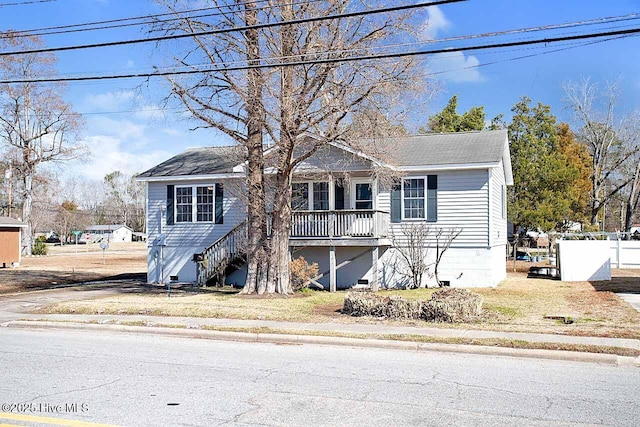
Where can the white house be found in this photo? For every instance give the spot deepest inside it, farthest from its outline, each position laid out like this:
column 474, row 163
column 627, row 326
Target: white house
column 108, row 233
column 345, row 217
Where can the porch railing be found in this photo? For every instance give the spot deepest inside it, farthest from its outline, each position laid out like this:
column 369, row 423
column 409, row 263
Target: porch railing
column 342, row 223
column 223, row 252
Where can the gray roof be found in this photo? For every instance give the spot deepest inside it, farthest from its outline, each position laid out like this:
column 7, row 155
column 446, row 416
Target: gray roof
column 449, row 148
column 422, row 150
column 198, row 161
column 6, row 221
column 106, row 227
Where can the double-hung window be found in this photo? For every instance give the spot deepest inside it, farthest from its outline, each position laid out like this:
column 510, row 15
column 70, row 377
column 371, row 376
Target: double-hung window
column 420, row 198
column 312, row 196
column 413, row 197
column 184, row 204
column 195, row 204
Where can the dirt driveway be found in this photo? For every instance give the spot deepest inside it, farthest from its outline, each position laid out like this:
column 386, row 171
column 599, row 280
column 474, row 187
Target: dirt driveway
column 72, row 264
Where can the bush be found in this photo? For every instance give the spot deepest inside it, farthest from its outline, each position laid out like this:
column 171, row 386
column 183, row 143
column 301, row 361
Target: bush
column 39, row 248
column 447, row 305
column 301, row 273
column 452, row 306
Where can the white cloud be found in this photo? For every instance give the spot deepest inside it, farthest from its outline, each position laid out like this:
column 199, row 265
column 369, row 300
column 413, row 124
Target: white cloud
column 110, row 101
column 110, row 154
column 460, row 68
column 436, row 22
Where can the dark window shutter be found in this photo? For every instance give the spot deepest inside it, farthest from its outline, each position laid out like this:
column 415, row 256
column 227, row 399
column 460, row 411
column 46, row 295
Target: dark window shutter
column 396, row 203
column 170, row 193
column 432, row 198
column 339, row 196
column 219, row 199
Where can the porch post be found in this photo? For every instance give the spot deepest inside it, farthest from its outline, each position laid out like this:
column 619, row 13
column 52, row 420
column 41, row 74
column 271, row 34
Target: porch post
column 332, row 269
column 374, row 262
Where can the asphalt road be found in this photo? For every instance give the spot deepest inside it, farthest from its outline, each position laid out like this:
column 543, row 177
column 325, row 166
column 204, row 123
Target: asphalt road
column 143, row 380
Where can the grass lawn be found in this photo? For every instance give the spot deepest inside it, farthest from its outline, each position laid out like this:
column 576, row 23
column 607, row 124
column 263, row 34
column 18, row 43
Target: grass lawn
column 518, row 304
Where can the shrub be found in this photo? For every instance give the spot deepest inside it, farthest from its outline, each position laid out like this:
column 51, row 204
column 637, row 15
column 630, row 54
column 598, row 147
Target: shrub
column 452, row 305
column 447, row 305
column 39, row 248
column 41, row 239
column 301, row 273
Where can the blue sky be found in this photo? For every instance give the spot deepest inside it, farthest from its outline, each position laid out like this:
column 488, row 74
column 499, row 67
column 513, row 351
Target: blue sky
column 126, row 128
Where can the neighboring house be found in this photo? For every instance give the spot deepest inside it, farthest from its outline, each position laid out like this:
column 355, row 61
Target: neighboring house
column 345, row 217
column 107, row 233
column 10, row 241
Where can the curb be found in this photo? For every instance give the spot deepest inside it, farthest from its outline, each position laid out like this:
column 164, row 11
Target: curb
column 276, row 338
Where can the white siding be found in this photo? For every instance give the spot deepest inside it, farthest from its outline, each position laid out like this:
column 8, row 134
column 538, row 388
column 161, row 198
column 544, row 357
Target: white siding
column 185, row 239
column 498, row 227
column 462, row 203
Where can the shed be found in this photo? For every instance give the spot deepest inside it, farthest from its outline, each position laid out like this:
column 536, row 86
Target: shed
column 10, row 241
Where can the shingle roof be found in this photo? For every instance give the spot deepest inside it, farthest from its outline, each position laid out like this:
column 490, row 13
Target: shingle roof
column 198, row 161
column 422, row 150
column 6, row 221
column 449, row 148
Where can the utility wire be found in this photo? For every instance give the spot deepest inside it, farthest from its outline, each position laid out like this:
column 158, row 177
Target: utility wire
column 234, row 29
column 333, row 60
column 148, row 19
column 24, row 3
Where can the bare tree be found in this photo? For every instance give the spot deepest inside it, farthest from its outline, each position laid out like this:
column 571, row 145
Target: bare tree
column 35, row 122
column 419, row 247
column 443, row 237
column 412, row 247
column 280, row 105
column 612, row 140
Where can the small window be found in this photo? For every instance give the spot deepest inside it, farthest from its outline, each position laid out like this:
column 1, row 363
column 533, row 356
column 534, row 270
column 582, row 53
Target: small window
column 184, row 204
column 413, row 197
column 364, row 196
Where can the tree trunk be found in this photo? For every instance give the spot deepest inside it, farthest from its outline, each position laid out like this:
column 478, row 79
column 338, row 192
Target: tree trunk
column 27, row 205
column 279, row 272
column 257, row 251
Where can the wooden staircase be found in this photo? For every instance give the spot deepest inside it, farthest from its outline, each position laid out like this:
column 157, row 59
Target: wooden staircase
column 223, row 253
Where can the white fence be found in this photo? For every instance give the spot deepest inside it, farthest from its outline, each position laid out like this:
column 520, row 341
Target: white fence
column 624, row 253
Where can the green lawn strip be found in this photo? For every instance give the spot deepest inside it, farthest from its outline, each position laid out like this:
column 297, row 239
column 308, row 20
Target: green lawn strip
column 491, row 342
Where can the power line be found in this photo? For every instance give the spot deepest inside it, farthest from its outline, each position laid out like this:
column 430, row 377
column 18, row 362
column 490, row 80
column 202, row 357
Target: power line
column 333, row 60
column 24, row 3
column 116, row 23
column 234, row 29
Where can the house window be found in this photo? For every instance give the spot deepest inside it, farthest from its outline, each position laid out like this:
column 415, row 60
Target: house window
column 310, row 196
column 184, row 204
column 204, row 203
column 320, row 196
column 299, row 196
column 364, row 196
column 194, row 204
column 413, row 198
column 420, row 198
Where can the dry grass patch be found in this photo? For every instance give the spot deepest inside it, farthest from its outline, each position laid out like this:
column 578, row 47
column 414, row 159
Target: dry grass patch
column 74, row 264
column 205, row 304
column 518, row 304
